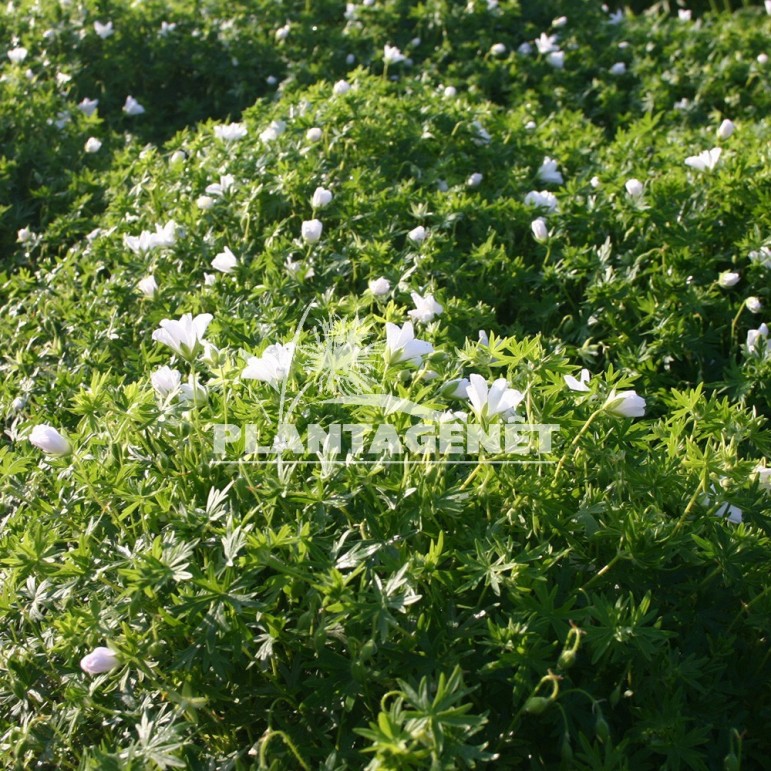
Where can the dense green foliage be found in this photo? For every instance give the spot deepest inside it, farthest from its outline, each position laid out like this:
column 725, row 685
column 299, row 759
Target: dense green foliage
column 601, row 608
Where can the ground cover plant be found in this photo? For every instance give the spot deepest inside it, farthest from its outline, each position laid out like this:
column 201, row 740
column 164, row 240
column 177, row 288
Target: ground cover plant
column 228, row 228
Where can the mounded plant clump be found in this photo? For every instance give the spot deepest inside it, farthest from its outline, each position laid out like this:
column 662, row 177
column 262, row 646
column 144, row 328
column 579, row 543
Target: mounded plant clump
column 384, row 385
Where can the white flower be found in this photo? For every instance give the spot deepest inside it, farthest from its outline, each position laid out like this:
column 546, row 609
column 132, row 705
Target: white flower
column 230, row 132
column 311, row 231
column 272, row 367
column 753, row 304
column 549, row 173
column 759, row 334
column 17, row 55
column 728, row 279
column 546, row 43
column 762, row 256
column 634, row 188
column 581, row 383
column 282, row 33
column 392, row 55
column 734, row 513
column 321, row 197
column 426, row 308
column 684, row 15
column 417, row 235
column 273, row 132
column 380, row 286
column 99, row 661
column 165, row 381
column 204, row 202
column 475, row 180
column 626, row 404
column 18, row 404
column 314, row 134
column 166, row 28
column 148, row 286
column 595, row 182
column 225, row 261
column 456, row 389
column 24, row 235
column 498, row 49
column 341, row 87
column 556, row 59
column 193, row 391
column 725, row 129
column 140, row 244
column 88, row 106
column 706, row 160
column 540, row 231
column 402, row 347
column 763, row 475
column 49, row 440
column 297, row 269
column 762, row 59
column 132, row 107
column 219, row 189
column 560, row 21
column 185, row 336
column 617, row 17
column 165, row 236
column 177, row 158
column 209, row 279
column 619, row 68
column 542, row 200
column 450, row 92
column 499, row 399
column 93, row 145
column 768, row 7
column 103, row 30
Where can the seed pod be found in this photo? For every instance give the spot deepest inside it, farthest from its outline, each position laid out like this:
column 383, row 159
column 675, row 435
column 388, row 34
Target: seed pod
column 602, row 729
column 566, row 659
column 731, row 762
column 566, row 751
column 535, row 705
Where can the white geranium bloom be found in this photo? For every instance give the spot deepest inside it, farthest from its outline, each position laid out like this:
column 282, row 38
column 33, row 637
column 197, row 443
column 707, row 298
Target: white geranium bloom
column 556, row 59
column 272, row 367
column 417, row 235
column 456, row 389
column 426, row 308
column 148, row 286
column 540, row 231
column 763, row 475
column 619, row 68
column 165, row 236
column 634, row 188
column 475, row 180
column 225, row 261
column 177, row 158
column 734, row 513
column 542, row 199
column 595, row 182
column 341, row 87
column 725, row 129
column 103, row 30
column 93, row 145
column 761, row 256
column 314, row 134
column 165, row 381
column 402, row 347
column 204, row 202
column 88, row 106
column 625, row 404
column 616, row 17
column 282, row 33
column 549, row 173
column 24, row 235
column 311, row 231
column 728, row 279
column 132, row 106
column 140, row 244
column 321, row 197
column 392, row 55
column 762, row 59
column 684, row 14
column 380, row 287
column 450, row 92
column 49, row 440
column 525, row 49
column 546, row 43
column 498, row 49
column 758, row 335
column 273, row 131
column 704, row 161
column 498, row 399
column 167, row 28
column 230, row 132
column 581, row 383
column 184, row 336
column 209, row 279
column 17, row 55
column 219, row 189
column 99, row 661
column 560, row 21
column 753, row 304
